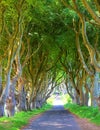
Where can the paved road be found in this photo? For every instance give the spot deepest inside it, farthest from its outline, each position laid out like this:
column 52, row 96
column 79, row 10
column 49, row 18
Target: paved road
column 55, row 119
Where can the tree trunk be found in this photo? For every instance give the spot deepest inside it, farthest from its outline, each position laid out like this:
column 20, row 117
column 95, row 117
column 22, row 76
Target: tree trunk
column 69, row 91
column 39, row 101
column 22, row 101
column 10, row 101
column 22, row 96
column 1, row 103
column 10, row 106
column 86, row 98
column 0, row 80
column 76, row 98
column 96, row 89
column 1, row 109
column 81, row 97
column 86, row 95
column 4, row 95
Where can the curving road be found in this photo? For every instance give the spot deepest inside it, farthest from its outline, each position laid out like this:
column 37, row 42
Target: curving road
column 55, row 119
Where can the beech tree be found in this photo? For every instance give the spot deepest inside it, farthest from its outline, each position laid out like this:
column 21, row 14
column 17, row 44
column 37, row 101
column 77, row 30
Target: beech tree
column 45, row 43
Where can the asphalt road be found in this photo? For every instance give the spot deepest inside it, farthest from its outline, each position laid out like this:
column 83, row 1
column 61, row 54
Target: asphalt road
column 55, row 119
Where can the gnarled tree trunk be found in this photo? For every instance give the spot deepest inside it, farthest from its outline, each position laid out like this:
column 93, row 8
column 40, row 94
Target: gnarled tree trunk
column 1, row 108
column 96, row 89
column 1, row 103
column 22, row 96
column 10, row 100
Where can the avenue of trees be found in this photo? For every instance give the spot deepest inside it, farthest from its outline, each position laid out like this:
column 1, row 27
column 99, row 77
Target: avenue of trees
column 44, row 43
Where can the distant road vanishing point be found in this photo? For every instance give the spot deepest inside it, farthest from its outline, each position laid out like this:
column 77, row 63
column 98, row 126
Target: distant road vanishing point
column 55, row 119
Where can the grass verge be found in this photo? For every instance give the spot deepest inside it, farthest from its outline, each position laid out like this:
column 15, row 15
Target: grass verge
column 91, row 113
column 20, row 119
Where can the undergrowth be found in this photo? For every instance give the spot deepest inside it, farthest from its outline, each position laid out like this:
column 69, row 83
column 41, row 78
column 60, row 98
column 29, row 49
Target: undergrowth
column 91, row 113
column 20, row 119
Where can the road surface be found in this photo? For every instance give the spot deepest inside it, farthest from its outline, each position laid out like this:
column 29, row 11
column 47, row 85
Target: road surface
column 55, row 119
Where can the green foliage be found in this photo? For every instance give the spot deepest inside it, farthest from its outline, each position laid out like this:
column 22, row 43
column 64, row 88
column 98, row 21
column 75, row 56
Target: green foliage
column 49, row 23
column 20, row 119
column 51, row 100
column 93, row 114
column 66, row 99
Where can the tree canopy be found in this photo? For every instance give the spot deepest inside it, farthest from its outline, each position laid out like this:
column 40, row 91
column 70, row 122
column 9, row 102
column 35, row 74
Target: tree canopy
column 44, row 43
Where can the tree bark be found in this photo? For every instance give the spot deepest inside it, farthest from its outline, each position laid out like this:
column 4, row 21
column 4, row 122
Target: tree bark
column 96, row 89
column 90, row 10
column 0, row 80
column 22, row 97
column 1, row 108
column 10, row 101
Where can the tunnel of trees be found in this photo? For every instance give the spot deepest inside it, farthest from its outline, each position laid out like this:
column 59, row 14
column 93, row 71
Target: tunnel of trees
column 44, row 43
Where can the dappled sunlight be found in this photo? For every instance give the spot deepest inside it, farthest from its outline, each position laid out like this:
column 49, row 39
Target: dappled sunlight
column 56, row 124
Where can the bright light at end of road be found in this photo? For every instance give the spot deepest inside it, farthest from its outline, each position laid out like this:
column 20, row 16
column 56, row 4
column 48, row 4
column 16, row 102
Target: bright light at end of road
column 58, row 101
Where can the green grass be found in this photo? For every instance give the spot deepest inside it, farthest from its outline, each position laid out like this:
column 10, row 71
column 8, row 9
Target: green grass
column 20, row 119
column 91, row 113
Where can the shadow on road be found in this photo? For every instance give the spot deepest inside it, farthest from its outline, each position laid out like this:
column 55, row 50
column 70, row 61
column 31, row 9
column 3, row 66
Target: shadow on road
column 55, row 119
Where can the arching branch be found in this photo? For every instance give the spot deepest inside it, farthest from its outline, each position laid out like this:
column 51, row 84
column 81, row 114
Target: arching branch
column 94, row 16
